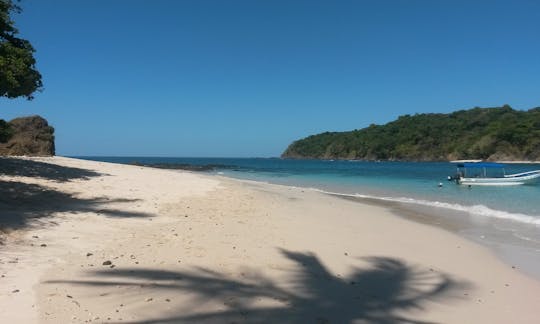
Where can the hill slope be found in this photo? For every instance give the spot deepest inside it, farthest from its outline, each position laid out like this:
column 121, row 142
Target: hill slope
column 481, row 133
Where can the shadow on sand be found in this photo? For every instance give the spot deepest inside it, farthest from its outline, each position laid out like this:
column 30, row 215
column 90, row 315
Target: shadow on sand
column 386, row 291
column 22, row 204
column 29, row 168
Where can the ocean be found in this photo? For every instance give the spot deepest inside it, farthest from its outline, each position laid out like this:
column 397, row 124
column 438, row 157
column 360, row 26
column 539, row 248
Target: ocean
column 506, row 219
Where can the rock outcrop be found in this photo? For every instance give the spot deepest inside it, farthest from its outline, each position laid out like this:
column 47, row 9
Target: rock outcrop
column 31, row 136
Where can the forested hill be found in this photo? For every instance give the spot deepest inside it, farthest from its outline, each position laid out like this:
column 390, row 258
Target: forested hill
column 481, row 133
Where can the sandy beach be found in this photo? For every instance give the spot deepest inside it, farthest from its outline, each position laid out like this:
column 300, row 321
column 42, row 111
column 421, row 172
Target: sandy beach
column 87, row 241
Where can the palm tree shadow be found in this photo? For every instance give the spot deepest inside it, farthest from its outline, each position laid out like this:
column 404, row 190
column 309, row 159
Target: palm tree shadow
column 387, row 291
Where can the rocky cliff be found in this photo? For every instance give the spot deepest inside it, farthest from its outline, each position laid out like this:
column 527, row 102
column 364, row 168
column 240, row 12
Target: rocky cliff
column 30, row 136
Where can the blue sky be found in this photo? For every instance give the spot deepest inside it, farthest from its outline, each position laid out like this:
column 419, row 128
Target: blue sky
column 245, row 78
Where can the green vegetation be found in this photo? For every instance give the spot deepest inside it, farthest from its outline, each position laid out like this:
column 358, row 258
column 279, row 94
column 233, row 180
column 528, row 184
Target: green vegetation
column 18, row 75
column 481, row 133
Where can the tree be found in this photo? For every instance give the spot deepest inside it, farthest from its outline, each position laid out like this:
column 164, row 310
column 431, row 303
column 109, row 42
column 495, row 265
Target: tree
column 18, row 74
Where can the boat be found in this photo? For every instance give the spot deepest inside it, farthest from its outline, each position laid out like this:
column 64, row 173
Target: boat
column 491, row 174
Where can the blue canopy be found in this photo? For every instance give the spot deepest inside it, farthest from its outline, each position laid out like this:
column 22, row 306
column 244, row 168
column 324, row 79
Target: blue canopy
column 481, row 165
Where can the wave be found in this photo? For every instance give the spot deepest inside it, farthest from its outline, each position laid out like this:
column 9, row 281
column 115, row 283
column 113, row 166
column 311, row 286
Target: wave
column 478, row 210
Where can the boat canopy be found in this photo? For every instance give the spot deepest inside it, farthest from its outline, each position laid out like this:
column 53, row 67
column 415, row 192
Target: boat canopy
column 480, row 165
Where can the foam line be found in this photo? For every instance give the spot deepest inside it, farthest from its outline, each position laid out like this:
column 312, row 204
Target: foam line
column 479, row 210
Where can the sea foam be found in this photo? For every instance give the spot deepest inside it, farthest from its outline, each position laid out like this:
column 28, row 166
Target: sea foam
column 478, row 210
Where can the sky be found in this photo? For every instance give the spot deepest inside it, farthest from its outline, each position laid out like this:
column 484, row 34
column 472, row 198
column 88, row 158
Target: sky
column 227, row 78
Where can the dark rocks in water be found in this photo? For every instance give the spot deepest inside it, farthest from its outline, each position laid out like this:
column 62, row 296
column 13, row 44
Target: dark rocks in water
column 31, row 136
column 183, row 166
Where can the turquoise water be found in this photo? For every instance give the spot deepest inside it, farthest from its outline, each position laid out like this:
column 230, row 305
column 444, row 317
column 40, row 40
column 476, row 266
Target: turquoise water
column 407, row 182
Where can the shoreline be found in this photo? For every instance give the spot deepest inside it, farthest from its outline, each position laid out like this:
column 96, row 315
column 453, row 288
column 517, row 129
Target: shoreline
column 516, row 255
column 131, row 244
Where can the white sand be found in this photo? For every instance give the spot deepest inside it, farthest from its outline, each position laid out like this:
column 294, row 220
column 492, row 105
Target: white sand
column 194, row 248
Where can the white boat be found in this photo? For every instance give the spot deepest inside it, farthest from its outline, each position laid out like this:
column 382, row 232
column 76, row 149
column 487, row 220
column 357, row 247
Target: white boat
column 491, row 174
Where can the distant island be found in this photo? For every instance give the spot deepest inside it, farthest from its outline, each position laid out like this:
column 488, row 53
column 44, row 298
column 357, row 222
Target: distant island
column 499, row 133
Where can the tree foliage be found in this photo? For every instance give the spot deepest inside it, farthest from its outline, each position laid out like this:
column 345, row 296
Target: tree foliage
column 479, row 133
column 18, row 74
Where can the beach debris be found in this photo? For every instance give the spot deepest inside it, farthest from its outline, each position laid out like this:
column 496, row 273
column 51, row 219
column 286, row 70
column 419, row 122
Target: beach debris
column 108, row 262
column 89, row 254
column 346, row 253
column 149, row 299
column 35, row 236
column 15, row 291
column 43, row 245
column 167, row 300
column 69, row 296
